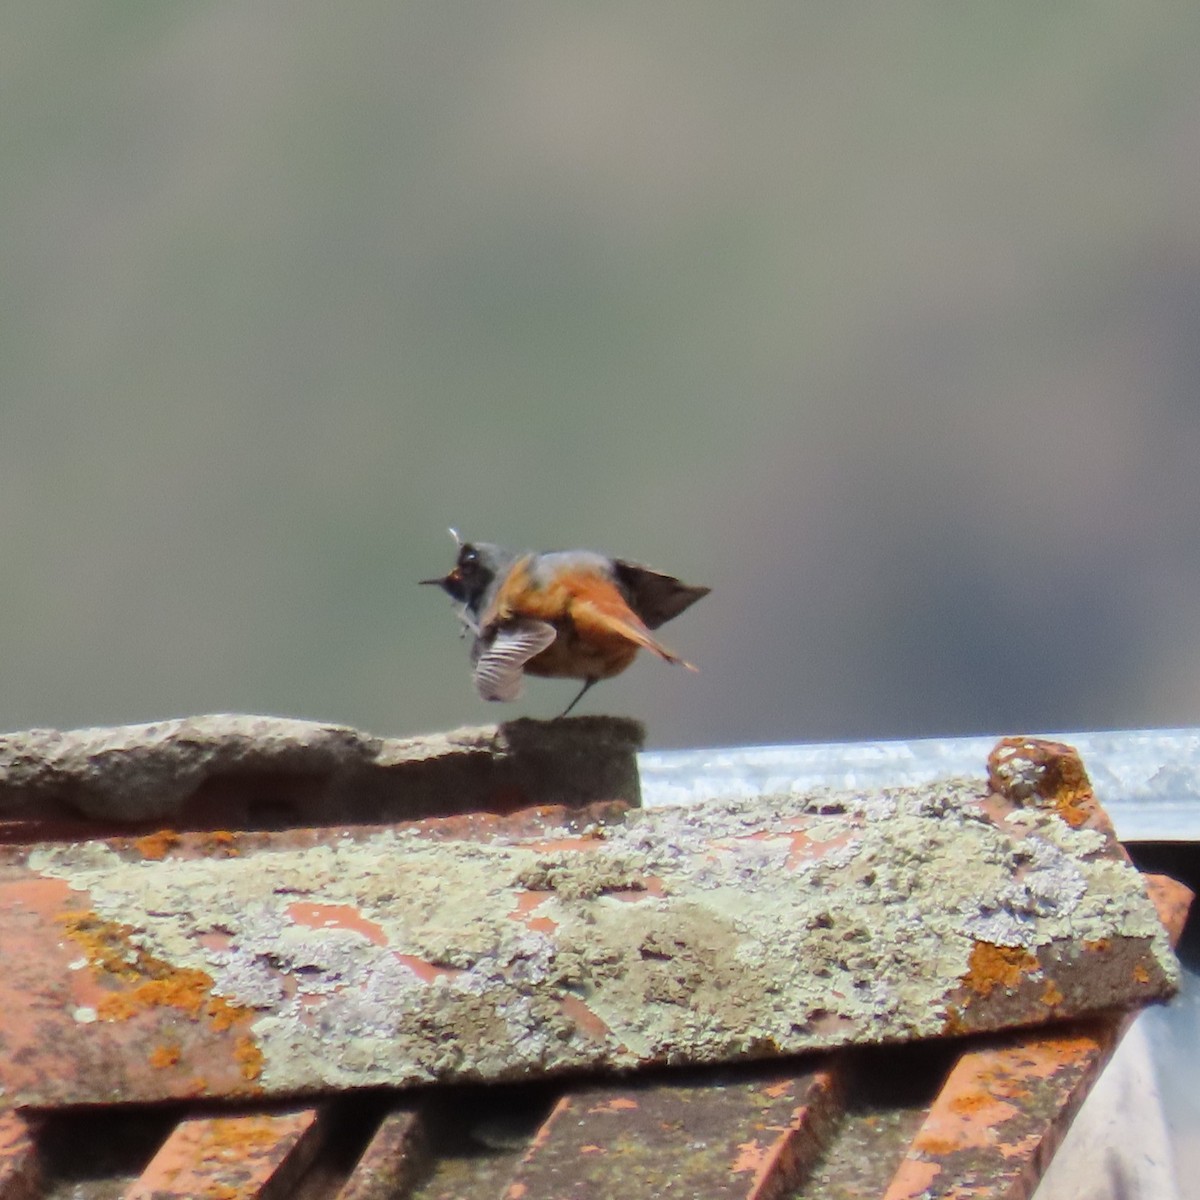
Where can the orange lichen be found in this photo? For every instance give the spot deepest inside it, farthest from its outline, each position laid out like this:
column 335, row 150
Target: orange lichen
column 105, row 943
column 184, row 988
column 221, row 842
column 1052, row 995
column 750, row 1157
column 1141, row 974
column 233, row 1137
column 249, row 1057
column 1076, row 810
column 164, row 1056
column 157, row 845
column 937, row 1146
column 955, row 1023
column 222, row 1014
column 150, row 982
column 993, row 966
column 966, row 1116
column 1023, row 769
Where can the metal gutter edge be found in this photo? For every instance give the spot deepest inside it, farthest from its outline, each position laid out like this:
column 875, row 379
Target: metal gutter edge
column 1147, row 779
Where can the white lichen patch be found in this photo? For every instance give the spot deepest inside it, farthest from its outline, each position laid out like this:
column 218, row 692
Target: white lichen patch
column 780, row 923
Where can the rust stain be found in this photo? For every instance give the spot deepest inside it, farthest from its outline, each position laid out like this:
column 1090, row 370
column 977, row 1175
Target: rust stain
column 336, row 916
column 993, row 966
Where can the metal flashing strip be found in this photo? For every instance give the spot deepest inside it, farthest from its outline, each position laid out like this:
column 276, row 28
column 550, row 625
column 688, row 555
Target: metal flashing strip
column 1148, row 780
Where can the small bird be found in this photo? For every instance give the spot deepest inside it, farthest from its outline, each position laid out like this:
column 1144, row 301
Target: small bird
column 572, row 614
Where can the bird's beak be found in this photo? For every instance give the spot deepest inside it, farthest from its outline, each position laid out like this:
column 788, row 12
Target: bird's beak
column 444, row 581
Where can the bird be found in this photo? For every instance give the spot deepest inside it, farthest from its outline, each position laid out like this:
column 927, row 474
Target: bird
column 573, row 614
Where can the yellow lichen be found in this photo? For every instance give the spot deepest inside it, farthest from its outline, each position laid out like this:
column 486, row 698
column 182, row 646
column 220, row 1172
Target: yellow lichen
column 992, row 966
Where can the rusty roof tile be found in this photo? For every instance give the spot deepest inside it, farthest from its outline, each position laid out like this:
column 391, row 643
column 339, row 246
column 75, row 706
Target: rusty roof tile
column 246, row 1157
column 392, row 1160
column 722, row 1132
column 484, row 947
column 100, row 988
column 751, row 1137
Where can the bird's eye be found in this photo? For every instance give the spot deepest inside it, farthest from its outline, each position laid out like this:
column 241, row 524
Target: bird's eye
column 469, row 557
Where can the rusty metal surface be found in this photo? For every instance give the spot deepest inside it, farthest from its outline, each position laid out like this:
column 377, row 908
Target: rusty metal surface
column 482, row 947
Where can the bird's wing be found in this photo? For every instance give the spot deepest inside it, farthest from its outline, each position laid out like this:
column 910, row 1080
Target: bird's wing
column 500, row 662
column 602, row 609
column 655, row 597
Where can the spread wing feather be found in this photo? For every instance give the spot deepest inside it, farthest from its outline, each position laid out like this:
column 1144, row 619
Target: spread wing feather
column 500, row 662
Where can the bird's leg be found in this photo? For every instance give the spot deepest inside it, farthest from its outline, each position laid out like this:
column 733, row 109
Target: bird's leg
column 577, row 699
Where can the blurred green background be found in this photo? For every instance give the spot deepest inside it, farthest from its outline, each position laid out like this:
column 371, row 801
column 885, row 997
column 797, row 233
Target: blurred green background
column 883, row 320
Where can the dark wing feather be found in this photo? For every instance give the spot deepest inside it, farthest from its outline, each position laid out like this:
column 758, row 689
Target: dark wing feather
column 655, row 597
